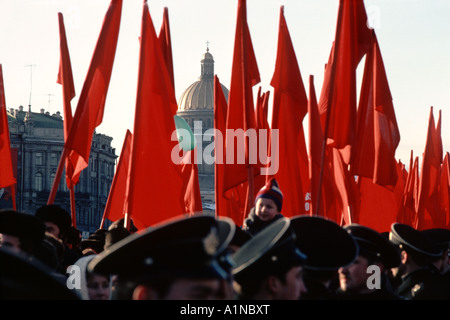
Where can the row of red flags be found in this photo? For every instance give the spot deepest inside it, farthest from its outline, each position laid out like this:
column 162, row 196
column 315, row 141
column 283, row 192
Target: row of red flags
column 346, row 171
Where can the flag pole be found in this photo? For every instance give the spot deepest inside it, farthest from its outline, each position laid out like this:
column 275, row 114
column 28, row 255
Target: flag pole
column 72, row 206
column 58, row 175
column 13, row 191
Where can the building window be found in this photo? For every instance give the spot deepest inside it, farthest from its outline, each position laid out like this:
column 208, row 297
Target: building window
column 53, row 159
column 39, row 159
column 38, row 182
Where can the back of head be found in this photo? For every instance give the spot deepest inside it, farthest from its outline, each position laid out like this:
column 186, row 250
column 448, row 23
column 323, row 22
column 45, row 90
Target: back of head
column 115, row 235
column 121, row 224
column 439, row 238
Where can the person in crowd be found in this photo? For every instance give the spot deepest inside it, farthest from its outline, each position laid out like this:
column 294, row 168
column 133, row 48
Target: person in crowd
column 73, row 241
column 58, row 223
column 440, row 239
column 269, row 265
column 114, row 235
column 92, row 286
column 416, row 280
column 178, row 259
column 21, row 231
column 328, row 247
column 366, row 278
column 267, row 209
column 95, row 243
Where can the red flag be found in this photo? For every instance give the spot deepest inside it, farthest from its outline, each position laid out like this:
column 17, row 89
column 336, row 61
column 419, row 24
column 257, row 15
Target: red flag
column 407, row 208
column 233, row 206
column 337, row 103
column 429, row 213
column 377, row 132
column 166, row 46
column 317, row 204
column 115, row 205
column 346, row 191
column 444, row 190
column 153, row 171
column 89, row 111
column 263, row 134
column 289, row 108
column 6, row 168
column 192, row 195
column 65, row 77
column 241, row 111
column 188, row 168
column 379, row 205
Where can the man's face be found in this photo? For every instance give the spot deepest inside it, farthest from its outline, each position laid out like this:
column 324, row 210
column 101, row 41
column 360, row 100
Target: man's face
column 353, row 278
column 52, row 228
column 194, row 289
column 294, row 286
column 10, row 241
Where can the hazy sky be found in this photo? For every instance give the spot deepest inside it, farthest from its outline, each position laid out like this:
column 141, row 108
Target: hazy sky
column 414, row 37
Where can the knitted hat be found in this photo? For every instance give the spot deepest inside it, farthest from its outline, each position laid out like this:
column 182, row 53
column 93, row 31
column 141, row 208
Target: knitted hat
column 271, row 191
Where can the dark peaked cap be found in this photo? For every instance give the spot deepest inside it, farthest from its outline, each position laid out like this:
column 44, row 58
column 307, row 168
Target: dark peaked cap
column 327, row 245
column 180, row 247
column 439, row 237
column 374, row 244
column 406, row 237
column 275, row 244
column 22, row 225
column 55, row 214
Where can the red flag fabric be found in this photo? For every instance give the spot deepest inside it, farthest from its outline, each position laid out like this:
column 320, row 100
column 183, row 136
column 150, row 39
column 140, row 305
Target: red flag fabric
column 233, row 205
column 115, row 205
column 6, row 169
column 263, row 134
column 444, row 190
column 65, row 78
column 379, row 205
column 377, row 131
column 241, row 111
column 429, row 213
column 165, row 41
column 407, row 208
column 89, row 112
column 316, row 147
column 153, row 172
column 346, row 191
column 337, row 103
column 191, row 191
column 188, row 168
column 289, row 108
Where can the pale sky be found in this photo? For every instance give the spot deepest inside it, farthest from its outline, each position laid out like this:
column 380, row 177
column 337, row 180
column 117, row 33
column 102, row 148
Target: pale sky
column 414, row 37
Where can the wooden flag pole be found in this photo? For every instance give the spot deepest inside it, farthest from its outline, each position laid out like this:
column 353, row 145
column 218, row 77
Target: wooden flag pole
column 58, row 175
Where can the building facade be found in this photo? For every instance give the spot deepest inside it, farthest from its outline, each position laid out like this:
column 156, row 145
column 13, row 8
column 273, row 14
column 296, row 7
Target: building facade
column 37, row 140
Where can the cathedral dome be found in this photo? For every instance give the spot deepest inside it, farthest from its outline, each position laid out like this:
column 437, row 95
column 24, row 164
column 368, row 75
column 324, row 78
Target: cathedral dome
column 200, row 94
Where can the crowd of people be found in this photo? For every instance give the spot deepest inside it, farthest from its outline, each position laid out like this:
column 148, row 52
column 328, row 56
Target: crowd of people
column 205, row 257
